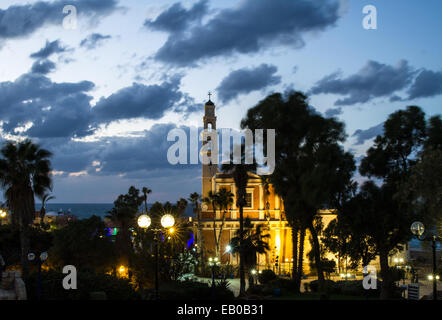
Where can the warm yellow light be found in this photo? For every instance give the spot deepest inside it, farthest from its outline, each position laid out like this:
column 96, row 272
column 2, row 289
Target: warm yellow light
column 167, row 221
column 210, row 259
column 253, row 271
column 286, row 259
column 277, row 242
column 401, row 260
column 3, row 213
column 122, row 269
column 396, row 260
column 430, row 277
column 171, row 230
column 144, row 221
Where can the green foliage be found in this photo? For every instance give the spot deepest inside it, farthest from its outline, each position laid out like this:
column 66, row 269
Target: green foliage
column 254, row 242
column 422, row 190
column 312, row 169
column 277, row 286
column 24, row 173
column 330, row 286
column 84, row 244
column 266, row 276
column 88, row 282
column 124, row 215
column 194, row 290
column 40, row 241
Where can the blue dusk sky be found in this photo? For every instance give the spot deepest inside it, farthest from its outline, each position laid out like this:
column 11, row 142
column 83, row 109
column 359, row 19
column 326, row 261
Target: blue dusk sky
column 102, row 96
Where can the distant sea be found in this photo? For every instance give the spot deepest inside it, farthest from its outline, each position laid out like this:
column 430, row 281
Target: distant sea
column 86, row 210
column 81, row 210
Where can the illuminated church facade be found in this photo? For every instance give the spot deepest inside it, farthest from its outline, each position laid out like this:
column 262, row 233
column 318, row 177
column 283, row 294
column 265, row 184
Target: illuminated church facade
column 264, row 206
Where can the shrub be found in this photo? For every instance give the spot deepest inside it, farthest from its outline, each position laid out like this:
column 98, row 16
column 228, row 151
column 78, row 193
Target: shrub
column 256, row 290
column 266, row 276
column 194, row 290
column 278, row 286
column 87, row 283
column 330, row 286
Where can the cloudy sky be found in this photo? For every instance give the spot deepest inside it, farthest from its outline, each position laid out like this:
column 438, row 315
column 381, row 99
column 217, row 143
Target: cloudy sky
column 103, row 96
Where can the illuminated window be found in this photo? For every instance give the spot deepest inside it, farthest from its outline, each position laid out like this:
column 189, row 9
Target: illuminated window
column 249, row 196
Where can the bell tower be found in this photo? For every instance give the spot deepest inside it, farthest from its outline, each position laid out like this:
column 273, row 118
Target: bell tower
column 209, row 170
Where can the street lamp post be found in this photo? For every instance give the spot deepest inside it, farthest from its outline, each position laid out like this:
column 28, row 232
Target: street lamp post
column 40, row 260
column 255, row 280
column 418, row 229
column 167, row 222
column 213, row 262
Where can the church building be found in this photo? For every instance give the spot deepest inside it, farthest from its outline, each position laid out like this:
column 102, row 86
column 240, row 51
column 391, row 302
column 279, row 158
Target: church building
column 264, row 206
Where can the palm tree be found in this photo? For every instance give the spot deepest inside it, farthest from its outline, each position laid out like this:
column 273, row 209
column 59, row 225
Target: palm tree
column 240, row 174
column 123, row 214
column 146, row 191
column 44, row 198
column 254, row 241
column 224, row 200
column 212, row 199
column 195, row 199
column 24, row 172
column 181, row 206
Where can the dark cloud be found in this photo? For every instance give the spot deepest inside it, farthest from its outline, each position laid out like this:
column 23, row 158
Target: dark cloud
column 55, row 109
column 148, row 152
column 139, row 100
column 35, row 106
column 395, row 98
column 427, row 84
column 374, row 80
column 141, row 155
column 43, row 66
column 363, row 135
column 22, row 20
column 49, row 49
column 177, row 18
column 330, row 113
column 93, row 40
column 247, row 80
column 73, row 156
column 247, row 28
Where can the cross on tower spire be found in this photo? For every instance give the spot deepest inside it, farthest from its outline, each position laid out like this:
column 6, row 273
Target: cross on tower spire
column 210, row 94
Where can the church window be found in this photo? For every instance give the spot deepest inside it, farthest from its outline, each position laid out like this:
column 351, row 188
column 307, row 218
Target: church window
column 249, row 197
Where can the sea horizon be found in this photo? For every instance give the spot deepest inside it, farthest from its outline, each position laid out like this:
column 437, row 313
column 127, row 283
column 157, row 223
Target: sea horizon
column 86, row 210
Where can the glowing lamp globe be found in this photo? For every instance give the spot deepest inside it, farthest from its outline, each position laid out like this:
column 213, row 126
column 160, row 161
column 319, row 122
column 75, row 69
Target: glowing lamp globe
column 167, row 221
column 144, row 221
column 417, row 228
column 43, row 256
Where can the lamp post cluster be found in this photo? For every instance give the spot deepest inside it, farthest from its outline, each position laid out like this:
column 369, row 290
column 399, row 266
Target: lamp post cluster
column 255, row 275
column 213, row 262
column 418, row 229
column 167, row 222
column 39, row 260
